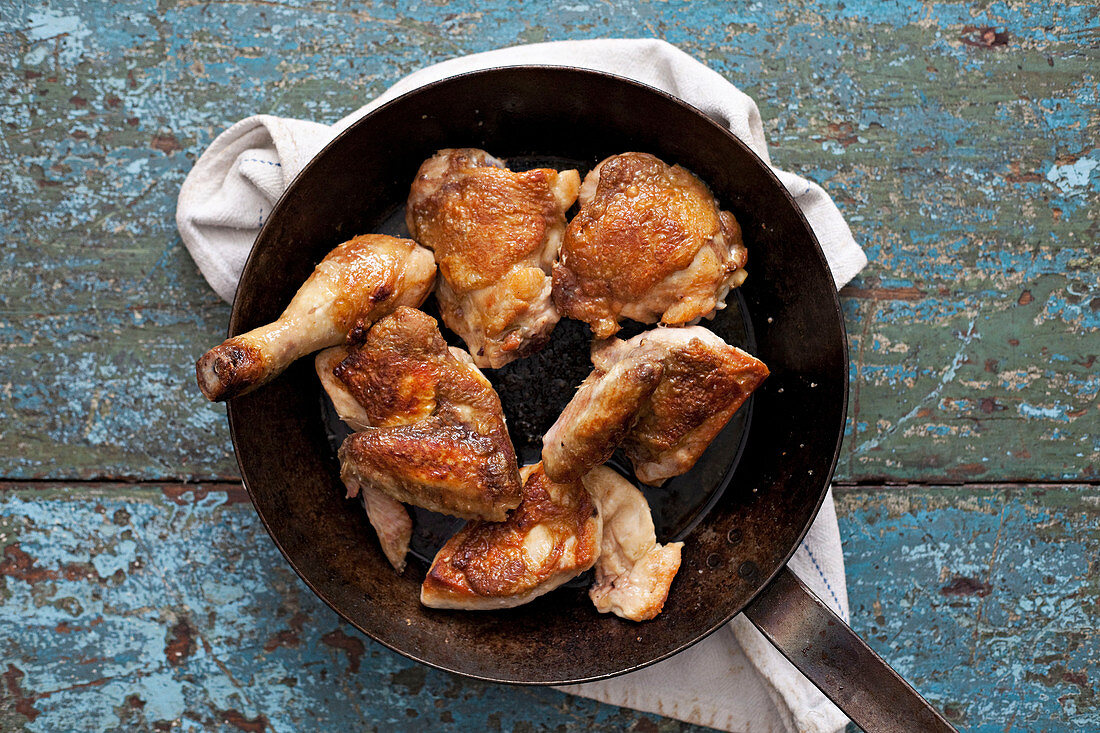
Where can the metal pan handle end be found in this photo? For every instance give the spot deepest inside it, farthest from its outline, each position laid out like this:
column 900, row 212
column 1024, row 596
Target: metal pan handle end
column 838, row 661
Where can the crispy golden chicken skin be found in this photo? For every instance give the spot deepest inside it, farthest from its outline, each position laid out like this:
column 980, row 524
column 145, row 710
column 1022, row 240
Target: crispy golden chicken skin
column 437, row 437
column 649, row 244
column 360, row 281
column 704, row 382
column 600, row 416
column 551, row 537
column 663, row 395
column 495, row 234
column 347, row 407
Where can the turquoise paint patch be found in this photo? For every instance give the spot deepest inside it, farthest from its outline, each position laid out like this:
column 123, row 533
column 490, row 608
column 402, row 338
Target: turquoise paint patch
column 1055, row 412
column 1076, row 175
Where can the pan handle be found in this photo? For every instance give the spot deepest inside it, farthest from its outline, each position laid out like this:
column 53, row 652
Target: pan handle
column 834, row 658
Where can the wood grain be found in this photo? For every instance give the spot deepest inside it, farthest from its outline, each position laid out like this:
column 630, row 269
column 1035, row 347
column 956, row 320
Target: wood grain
column 969, row 172
column 133, row 607
column 959, row 139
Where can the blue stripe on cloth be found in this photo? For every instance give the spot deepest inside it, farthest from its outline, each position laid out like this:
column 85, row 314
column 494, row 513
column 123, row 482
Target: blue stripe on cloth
column 836, row 601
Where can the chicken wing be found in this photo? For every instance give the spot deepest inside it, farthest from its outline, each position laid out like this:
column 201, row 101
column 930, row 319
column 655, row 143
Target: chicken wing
column 388, row 516
column 600, row 416
column 633, row 573
column 358, row 282
column 664, row 429
column 437, row 437
column 496, row 234
column 347, row 407
column 551, row 537
column 649, row 244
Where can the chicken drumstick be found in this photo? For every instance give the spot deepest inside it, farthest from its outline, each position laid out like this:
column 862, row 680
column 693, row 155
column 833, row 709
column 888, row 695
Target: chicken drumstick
column 357, row 283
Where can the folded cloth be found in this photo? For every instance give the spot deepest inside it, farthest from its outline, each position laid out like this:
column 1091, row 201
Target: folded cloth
column 733, row 680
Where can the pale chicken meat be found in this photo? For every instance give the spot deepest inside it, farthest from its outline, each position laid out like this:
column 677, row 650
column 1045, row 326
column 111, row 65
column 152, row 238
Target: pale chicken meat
column 436, row 436
column 663, row 422
column 649, row 244
column 633, row 572
column 358, row 282
column 389, row 518
column 496, row 234
column 551, row 537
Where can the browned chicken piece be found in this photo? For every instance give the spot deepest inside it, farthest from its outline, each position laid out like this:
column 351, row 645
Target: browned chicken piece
column 551, row 537
column 388, row 516
column 360, row 281
column 662, row 428
column 705, row 381
column 633, row 573
column 648, row 244
column 600, row 416
column 437, row 437
column 496, row 234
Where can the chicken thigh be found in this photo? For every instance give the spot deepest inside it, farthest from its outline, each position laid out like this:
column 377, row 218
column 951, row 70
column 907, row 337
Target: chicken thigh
column 496, row 234
column 649, row 244
column 633, row 573
column 388, row 516
column 437, row 437
column 358, row 282
column 550, row 538
column 663, row 428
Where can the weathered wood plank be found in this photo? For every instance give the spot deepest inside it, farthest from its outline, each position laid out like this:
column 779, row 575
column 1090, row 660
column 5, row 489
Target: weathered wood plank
column 960, row 140
column 129, row 608
column 986, row 598
column 967, row 164
column 124, row 606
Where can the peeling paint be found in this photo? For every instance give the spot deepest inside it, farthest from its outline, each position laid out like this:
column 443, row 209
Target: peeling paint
column 960, row 141
column 103, row 126
column 156, row 648
column 1001, row 581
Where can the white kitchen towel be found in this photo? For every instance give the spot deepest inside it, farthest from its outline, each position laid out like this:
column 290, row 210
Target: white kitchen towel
column 734, row 680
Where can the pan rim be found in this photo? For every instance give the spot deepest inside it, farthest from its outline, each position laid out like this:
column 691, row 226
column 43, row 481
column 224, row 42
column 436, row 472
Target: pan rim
column 234, row 328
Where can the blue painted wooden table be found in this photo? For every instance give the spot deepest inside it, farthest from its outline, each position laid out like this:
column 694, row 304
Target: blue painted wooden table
column 137, row 589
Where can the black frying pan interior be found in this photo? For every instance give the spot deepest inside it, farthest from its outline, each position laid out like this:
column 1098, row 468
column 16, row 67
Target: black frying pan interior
column 790, row 439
